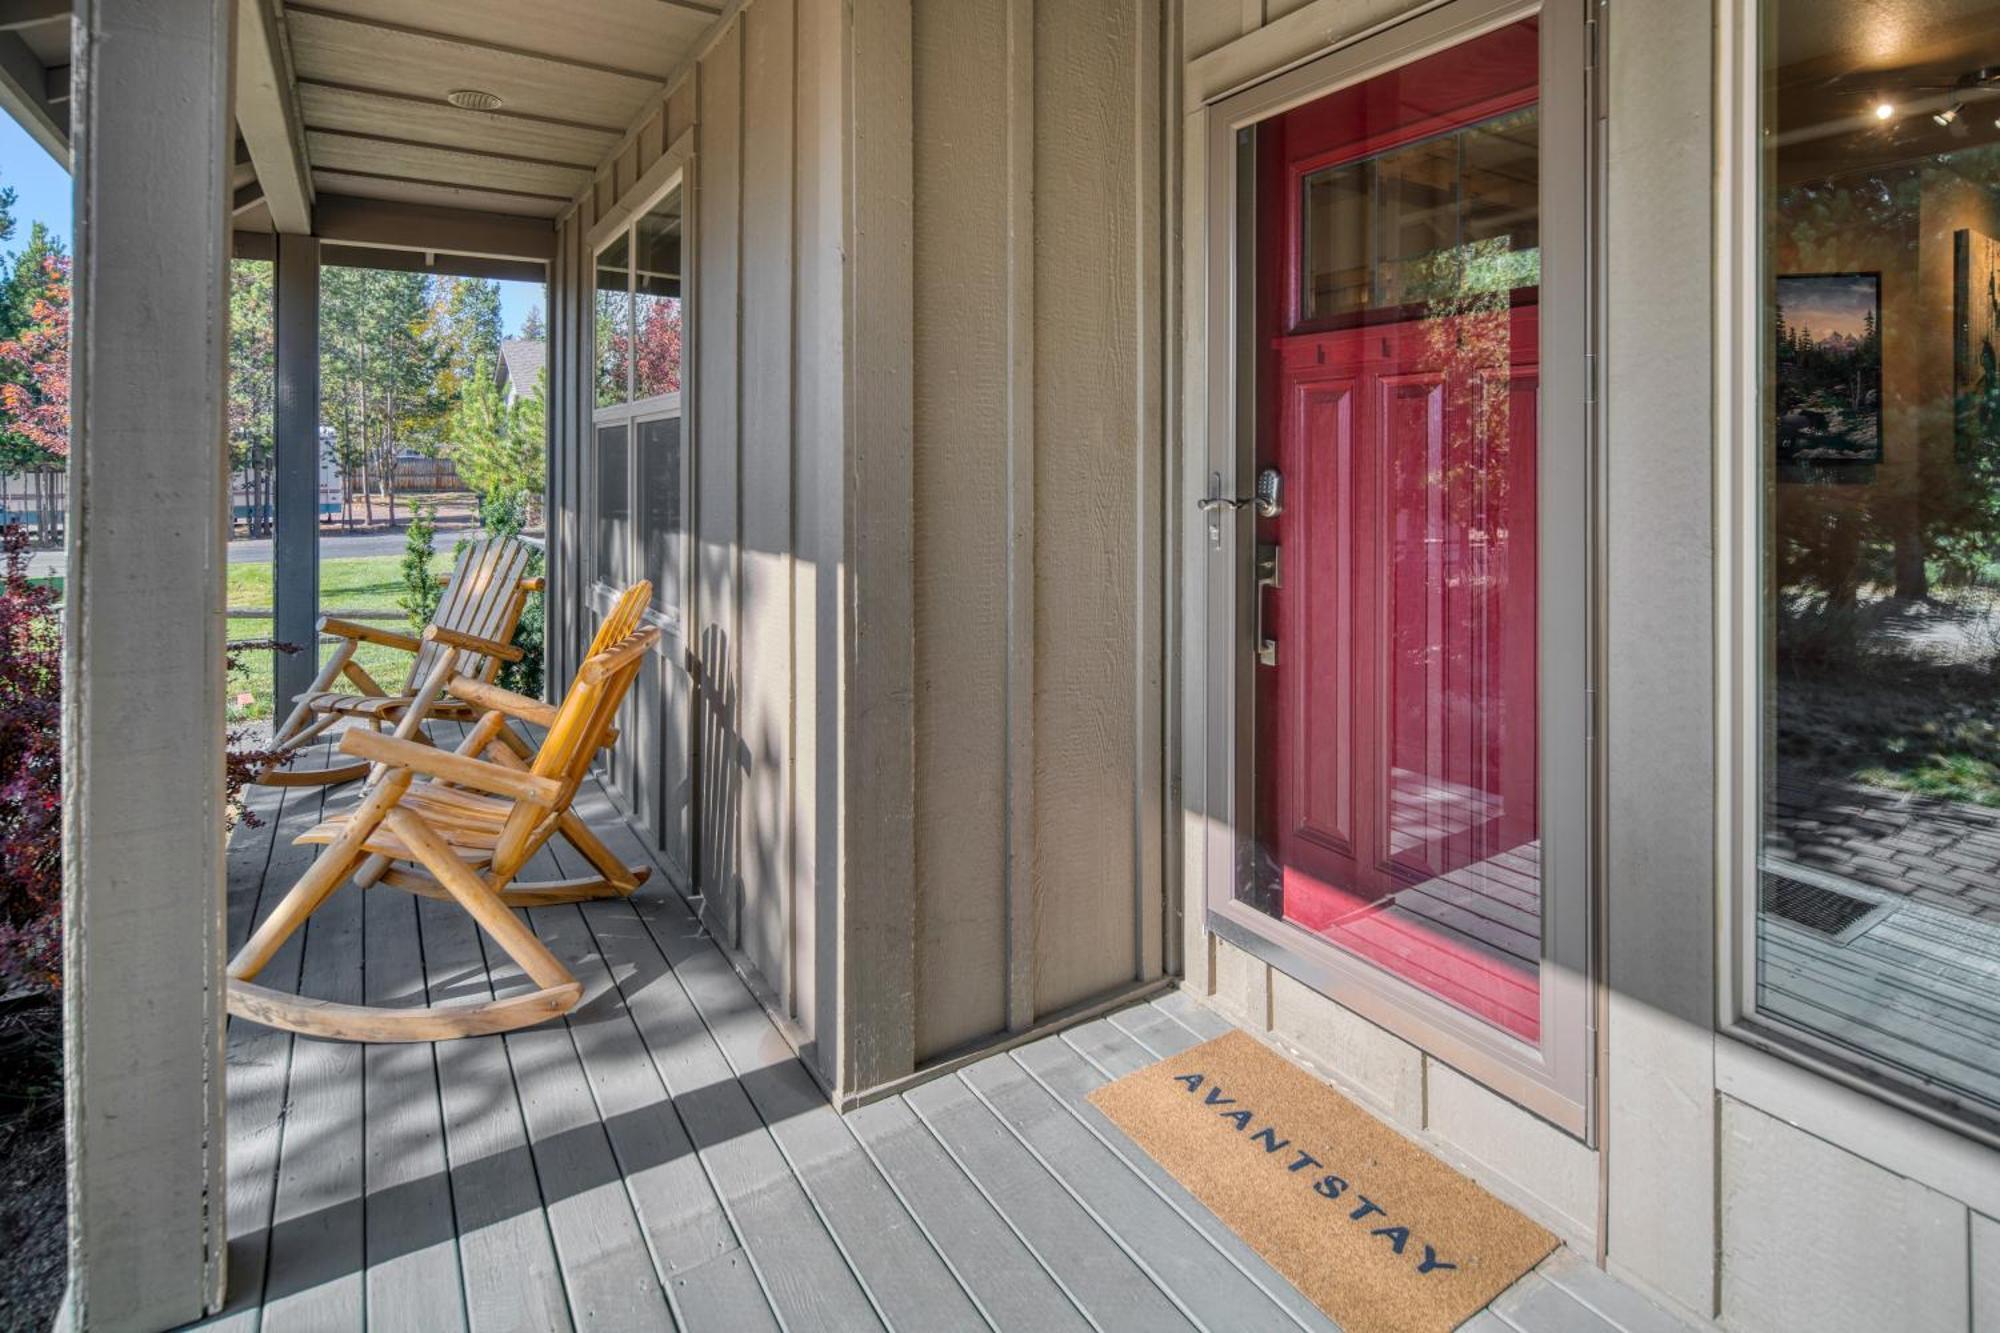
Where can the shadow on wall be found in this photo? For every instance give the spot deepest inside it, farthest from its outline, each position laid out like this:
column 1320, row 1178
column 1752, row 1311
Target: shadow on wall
column 721, row 761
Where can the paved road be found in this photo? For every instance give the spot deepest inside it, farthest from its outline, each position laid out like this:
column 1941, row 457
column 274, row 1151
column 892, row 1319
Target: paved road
column 257, row 551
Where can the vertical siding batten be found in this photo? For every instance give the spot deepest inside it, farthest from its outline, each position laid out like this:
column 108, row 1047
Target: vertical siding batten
column 877, row 990
column 764, row 498
column 718, row 212
column 1020, row 692
column 962, row 316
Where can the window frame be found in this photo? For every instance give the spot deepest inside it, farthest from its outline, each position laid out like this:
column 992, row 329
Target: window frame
column 1739, row 600
column 1555, row 1078
column 635, row 412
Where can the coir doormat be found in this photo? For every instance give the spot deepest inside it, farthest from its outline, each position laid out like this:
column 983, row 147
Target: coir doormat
column 1375, row 1231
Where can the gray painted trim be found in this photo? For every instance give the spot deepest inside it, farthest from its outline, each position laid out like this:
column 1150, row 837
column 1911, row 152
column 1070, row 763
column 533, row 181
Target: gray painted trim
column 877, row 688
column 142, row 652
column 1659, row 700
column 295, row 545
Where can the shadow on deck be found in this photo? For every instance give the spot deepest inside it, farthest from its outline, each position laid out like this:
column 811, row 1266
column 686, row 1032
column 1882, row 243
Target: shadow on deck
column 661, row 1159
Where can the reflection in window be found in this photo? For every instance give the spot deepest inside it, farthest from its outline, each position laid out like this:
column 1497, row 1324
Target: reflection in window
column 659, row 465
column 1383, row 232
column 614, row 508
column 656, row 309
column 613, row 323
column 1398, row 804
column 1879, row 903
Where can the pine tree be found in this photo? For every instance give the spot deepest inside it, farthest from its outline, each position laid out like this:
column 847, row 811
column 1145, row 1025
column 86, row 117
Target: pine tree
column 466, row 317
column 532, row 327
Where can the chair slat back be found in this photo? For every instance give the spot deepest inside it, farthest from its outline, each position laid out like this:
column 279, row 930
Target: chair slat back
column 483, row 598
column 587, row 711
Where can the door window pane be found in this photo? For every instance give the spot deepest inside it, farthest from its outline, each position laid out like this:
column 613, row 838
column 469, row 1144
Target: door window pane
column 614, row 508
column 1397, row 740
column 661, row 514
column 656, row 311
column 614, row 323
column 1452, row 213
column 1878, row 912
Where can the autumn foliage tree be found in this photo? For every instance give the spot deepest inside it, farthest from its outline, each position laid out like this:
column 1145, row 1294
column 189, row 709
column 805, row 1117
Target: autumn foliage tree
column 36, row 400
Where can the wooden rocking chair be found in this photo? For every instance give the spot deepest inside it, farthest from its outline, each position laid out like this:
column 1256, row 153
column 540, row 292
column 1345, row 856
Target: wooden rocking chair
column 468, row 824
column 469, row 637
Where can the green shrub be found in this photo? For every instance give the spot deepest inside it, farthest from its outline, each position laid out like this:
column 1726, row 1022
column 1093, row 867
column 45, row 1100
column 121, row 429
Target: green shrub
column 421, row 590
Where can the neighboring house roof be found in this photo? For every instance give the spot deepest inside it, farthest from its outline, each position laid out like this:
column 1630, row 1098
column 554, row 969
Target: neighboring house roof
column 521, row 363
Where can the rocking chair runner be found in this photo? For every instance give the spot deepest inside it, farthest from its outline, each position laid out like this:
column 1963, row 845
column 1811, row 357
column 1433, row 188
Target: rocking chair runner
column 471, row 824
column 468, row 637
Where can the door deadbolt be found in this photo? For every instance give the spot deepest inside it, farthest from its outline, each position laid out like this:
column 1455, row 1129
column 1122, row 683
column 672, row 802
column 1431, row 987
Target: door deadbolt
column 1269, row 499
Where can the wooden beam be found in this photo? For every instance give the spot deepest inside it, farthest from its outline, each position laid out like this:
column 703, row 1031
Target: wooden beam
column 24, row 95
column 295, row 487
column 267, row 113
column 247, row 197
column 27, row 13
column 435, row 263
column 143, row 664
column 397, row 226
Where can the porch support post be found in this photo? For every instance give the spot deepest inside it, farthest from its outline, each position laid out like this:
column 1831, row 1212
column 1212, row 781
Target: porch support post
column 142, row 662
column 295, row 545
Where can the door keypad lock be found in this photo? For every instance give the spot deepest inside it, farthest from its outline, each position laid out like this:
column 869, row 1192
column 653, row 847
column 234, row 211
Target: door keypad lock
column 1269, row 499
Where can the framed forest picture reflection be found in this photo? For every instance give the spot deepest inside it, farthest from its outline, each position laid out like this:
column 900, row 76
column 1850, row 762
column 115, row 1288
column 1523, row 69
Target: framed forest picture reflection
column 1976, row 344
column 1829, row 368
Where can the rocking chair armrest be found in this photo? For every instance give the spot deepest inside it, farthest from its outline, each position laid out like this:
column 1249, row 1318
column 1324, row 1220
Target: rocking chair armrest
column 533, row 584
column 506, row 652
column 348, row 629
column 458, row 768
column 485, row 694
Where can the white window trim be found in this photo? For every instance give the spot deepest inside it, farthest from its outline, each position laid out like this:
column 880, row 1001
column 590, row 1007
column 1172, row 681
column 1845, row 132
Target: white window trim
column 674, row 172
column 1823, row 1104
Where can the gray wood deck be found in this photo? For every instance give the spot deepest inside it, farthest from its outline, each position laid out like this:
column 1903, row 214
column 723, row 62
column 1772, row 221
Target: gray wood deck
column 659, row 1159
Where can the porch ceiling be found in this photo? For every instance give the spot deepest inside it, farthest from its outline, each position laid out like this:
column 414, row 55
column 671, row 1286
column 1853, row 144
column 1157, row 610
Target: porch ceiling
column 360, row 102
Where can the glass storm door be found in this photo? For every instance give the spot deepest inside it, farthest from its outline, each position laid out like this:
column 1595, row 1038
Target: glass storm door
column 1399, row 273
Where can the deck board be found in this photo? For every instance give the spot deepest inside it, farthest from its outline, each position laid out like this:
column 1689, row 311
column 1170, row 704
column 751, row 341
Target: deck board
column 318, row 1260
column 660, row 1158
column 413, row 1272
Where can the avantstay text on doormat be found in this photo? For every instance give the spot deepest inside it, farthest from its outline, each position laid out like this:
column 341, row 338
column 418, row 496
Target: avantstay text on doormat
column 1374, row 1230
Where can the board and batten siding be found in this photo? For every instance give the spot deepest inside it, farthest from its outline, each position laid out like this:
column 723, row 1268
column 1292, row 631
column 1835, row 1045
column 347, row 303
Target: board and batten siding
column 720, row 764
column 1037, row 483
column 922, row 782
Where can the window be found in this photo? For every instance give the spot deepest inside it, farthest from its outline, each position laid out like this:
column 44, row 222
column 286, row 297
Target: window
column 641, row 466
column 614, row 507
column 1872, row 932
column 660, row 514
column 614, row 323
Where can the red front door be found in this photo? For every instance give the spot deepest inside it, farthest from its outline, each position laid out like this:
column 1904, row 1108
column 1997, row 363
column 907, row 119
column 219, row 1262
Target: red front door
column 1397, row 770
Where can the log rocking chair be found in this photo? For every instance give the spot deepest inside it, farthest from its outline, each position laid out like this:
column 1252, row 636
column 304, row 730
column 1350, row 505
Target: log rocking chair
column 469, row 636
column 460, row 825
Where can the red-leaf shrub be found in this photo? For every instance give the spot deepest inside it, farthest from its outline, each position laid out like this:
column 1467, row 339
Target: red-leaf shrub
column 30, row 775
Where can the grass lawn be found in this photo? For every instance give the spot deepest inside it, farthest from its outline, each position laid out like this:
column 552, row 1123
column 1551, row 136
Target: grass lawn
column 371, row 583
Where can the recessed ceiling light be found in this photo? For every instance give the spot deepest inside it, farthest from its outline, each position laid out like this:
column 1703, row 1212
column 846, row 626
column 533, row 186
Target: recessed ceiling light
column 1884, row 110
column 473, row 99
